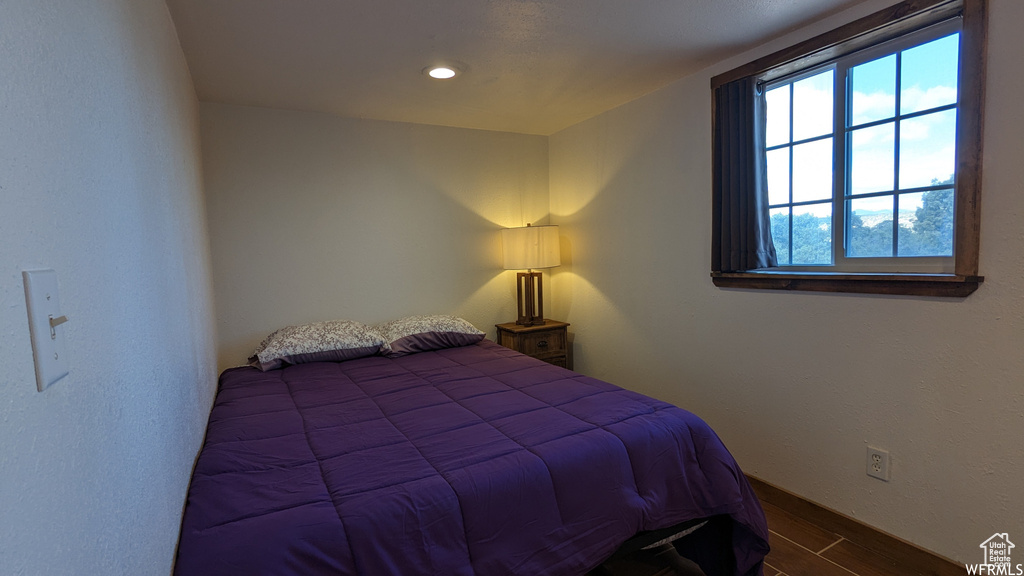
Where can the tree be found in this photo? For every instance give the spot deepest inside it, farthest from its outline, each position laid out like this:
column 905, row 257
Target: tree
column 933, row 225
column 870, row 240
column 812, row 239
column 929, row 233
column 780, row 237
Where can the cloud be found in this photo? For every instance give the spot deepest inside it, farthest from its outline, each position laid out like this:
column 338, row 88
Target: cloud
column 914, row 99
column 927, row 143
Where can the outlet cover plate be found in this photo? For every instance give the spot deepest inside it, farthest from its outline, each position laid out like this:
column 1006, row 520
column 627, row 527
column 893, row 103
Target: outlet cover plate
column 878, row 463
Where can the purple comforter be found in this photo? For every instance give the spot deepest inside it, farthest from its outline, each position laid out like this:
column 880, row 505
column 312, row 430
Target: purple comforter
column 466, row 461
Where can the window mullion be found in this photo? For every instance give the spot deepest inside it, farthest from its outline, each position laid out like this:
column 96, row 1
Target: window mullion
column 896, row 160
column 839, row 163
column 790, row 219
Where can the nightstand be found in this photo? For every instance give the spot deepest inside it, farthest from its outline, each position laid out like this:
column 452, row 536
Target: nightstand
column 548, row 341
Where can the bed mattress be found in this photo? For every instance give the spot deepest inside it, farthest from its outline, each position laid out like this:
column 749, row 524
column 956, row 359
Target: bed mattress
column 470, row 461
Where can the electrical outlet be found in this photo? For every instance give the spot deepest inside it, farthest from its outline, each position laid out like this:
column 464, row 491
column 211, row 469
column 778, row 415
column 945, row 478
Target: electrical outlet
column 878, row 463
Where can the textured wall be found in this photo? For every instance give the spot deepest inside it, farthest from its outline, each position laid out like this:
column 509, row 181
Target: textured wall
column 939, row 383
column 315, row 217
column 100, row 180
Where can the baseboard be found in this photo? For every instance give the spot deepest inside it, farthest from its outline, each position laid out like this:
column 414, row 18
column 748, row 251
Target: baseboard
column 898, row 549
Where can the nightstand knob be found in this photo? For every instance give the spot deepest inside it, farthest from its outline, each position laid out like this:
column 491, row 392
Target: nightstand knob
column 542, row 344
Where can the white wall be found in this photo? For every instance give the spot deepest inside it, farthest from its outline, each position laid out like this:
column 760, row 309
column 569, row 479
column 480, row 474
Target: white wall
column 938, row 382
column 315, row 217
column 100, row 180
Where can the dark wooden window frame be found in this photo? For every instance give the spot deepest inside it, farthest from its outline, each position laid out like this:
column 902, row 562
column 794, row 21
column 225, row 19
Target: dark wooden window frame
column 883, row 25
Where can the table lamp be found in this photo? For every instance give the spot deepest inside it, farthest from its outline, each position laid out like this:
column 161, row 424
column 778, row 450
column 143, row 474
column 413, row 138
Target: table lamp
column 529, row 248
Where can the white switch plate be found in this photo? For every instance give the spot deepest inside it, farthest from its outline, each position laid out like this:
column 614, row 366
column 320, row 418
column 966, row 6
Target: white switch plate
column 48, row 346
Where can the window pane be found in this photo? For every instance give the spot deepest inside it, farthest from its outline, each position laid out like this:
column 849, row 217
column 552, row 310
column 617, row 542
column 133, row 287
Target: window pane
column 812, row 171
column 929, row 229
column 778, row 116
column 812, row 97
column 870, row 227
column 778, row 176
column 928, row 149
column 780, row 234
column 873, row 87
column 872, row 159
column 928, row 75
column 812, row 234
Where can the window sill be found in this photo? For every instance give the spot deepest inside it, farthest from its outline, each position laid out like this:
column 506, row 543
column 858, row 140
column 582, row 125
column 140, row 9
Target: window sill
column 946, row 285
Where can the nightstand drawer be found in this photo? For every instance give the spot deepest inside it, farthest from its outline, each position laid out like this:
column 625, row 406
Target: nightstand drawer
column 548, row 341
column 560, row 361
column 540, row 344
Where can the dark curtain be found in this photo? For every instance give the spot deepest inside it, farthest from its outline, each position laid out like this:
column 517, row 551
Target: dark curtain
column 742, row 235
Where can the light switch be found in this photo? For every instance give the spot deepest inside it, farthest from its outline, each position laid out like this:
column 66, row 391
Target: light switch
column 46, row 326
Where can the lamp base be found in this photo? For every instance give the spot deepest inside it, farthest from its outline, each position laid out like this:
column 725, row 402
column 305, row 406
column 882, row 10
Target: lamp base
column 530, row 296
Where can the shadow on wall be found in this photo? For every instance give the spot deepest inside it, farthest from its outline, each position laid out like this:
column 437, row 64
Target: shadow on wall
column 371, row 269
column 608, row 269
column 317, row 217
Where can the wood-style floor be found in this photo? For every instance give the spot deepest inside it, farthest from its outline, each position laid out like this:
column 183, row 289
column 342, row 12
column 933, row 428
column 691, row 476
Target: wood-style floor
column 800, row 547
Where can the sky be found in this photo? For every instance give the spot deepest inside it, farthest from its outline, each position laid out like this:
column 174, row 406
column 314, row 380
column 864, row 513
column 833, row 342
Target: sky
column 928, row 78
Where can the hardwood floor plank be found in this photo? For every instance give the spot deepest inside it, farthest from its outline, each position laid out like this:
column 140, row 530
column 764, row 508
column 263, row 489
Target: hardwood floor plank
column 797, row 529
column 868, row 537
column 795, row 560
column 865, row 562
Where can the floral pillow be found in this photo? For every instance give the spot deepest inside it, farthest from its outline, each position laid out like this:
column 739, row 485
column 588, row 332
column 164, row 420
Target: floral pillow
column 424, row 333
column 333, row 341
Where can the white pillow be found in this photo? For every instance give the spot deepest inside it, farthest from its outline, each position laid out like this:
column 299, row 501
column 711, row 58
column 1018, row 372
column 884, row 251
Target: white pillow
column 333, row 341
column 424, row 333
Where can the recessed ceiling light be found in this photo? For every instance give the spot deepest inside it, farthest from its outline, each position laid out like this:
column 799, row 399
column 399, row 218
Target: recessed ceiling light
column 441, row 72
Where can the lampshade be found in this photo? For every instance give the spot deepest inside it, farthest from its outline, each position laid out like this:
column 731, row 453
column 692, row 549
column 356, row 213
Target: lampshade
column 531, row 247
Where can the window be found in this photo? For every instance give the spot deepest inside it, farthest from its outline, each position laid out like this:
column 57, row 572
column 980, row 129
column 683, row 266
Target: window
column 871, row 155
column 861, row 157
column 799, row 149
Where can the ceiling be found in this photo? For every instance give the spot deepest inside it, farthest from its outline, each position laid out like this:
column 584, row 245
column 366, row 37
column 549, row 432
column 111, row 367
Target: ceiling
column 529, row 66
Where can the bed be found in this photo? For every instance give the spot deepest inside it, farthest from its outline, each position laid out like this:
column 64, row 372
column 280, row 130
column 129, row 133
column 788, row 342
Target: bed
column 472, row 460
